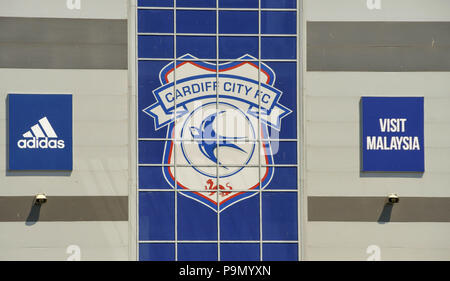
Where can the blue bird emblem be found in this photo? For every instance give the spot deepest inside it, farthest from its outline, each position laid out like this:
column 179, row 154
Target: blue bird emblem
column 206, row 131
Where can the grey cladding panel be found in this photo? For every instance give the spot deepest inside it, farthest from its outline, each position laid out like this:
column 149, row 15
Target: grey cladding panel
column 376, row 209
column 378, row 46
column 63, row 43
column 64, row 208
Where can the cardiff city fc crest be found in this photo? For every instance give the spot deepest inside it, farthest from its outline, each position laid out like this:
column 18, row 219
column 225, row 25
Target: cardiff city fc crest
column 217, row 119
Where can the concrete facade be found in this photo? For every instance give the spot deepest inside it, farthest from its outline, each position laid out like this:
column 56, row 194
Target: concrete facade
column 101, row 149
column 332, row 137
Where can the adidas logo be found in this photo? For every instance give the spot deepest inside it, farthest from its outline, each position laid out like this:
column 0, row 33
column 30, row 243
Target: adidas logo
column 41, row 138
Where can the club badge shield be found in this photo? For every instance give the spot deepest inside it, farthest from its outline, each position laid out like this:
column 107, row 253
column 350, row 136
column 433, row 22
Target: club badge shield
column 218, row 151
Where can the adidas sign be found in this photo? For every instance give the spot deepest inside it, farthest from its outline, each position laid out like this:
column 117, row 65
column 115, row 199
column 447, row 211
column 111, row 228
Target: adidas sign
column 42, row 136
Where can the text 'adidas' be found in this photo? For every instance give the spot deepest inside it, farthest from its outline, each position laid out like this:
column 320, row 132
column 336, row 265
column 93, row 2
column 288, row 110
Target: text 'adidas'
column 41, row 138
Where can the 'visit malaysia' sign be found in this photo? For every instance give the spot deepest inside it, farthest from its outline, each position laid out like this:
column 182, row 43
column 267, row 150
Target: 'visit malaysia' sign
column 393, row 134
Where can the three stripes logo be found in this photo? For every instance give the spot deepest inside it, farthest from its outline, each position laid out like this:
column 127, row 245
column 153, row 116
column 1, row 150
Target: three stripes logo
column 41, row 135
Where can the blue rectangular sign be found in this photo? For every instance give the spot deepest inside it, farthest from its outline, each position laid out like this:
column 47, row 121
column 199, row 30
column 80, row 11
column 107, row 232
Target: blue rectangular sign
column 393, row 134
column 40, row 131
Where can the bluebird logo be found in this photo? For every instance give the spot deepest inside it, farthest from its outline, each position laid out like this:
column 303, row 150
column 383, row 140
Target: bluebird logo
column 219, row 116
column 41, row 135
column 205, row 132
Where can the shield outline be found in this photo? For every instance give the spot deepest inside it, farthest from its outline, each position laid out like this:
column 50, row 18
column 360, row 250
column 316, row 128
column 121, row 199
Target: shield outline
column 168, row 175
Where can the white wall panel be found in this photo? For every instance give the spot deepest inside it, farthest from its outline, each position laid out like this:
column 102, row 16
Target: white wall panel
column 103, row 9
column 50, row 240
column 397, row 241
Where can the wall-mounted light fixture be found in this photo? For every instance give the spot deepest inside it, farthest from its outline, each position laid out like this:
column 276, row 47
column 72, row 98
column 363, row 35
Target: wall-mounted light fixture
column 40, row 199
column 393, row 198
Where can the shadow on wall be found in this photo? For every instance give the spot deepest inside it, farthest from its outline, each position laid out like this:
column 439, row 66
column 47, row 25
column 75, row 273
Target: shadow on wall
column 386, row 213
column 38, row 173
column 34, row 214
column 24, row 173
column 390, row 174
